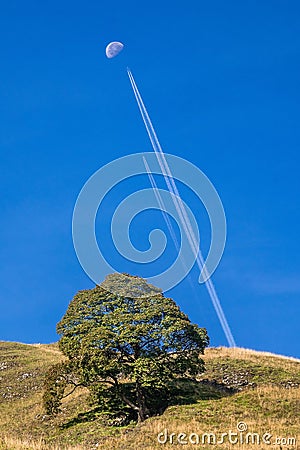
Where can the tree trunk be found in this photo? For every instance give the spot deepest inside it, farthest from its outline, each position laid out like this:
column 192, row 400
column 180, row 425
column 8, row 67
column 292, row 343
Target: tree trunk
column 143, row 412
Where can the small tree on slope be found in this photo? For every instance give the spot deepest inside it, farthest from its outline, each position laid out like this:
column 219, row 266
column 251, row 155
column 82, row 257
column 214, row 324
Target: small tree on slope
column 126, row 342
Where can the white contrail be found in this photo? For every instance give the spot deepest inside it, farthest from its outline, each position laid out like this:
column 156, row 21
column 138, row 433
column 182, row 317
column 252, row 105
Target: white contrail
column 184, row 219
column 161, row 205
column 181, row 210
column 163, row 209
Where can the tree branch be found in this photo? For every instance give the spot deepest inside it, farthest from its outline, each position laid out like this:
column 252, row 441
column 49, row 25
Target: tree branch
column 75, row 387
column 128, row 402
column 123, row 397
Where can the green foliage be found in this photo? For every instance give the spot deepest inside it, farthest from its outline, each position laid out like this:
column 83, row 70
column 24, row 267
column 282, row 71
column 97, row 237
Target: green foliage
column 126, row 342
column 57, row 379
column 55, row 386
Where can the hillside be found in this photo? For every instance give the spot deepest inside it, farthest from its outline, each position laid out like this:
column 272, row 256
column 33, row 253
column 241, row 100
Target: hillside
column 241, row 388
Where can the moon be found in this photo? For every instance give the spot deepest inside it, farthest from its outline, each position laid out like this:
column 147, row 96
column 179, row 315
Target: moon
column 113, row 49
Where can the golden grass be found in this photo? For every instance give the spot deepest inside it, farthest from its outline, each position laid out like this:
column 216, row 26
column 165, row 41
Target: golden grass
column 266, row 407
column 243, row 353
column 215, row 419
column 7, row 443
column 52, row 348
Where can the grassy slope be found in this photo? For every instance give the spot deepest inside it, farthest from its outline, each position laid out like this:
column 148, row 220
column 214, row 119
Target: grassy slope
column 260, row 389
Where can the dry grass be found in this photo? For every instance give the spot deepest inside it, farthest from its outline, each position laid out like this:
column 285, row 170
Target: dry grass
column 218, row 417
column 7, row 443
column 268, row 402
column 52, row 348
column 244, row 353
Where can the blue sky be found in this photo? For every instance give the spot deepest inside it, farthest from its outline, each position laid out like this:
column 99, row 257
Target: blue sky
column 220, row 80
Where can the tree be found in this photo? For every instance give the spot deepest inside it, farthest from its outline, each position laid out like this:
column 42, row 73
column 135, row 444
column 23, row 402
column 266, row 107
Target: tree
column 126, row 342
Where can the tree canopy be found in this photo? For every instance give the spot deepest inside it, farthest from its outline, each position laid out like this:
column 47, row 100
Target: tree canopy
column 126, row 342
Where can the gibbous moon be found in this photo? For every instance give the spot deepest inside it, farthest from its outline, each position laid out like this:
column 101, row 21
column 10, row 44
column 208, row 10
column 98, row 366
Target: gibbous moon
column 113, row 49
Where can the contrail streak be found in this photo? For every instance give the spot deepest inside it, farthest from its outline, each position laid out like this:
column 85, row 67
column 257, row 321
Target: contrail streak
column 163, row 209
column 161, row 205
column 184, row 219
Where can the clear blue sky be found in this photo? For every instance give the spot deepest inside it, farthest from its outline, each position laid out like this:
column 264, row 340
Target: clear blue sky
column 221, row 82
